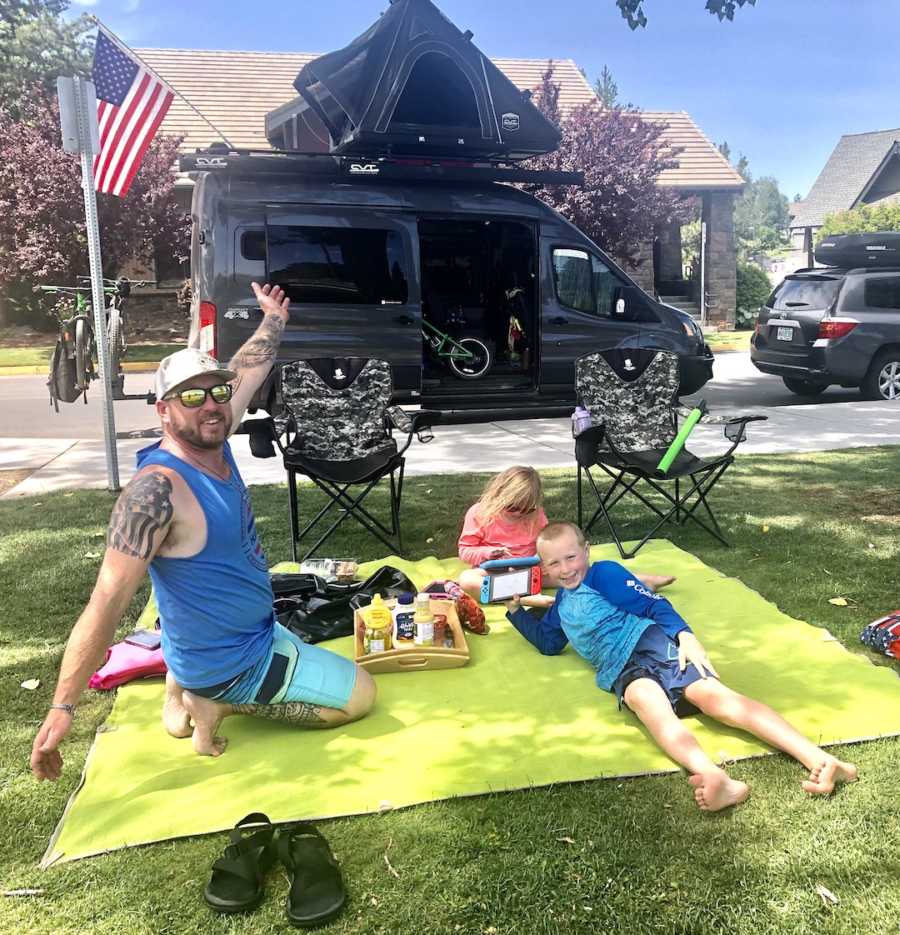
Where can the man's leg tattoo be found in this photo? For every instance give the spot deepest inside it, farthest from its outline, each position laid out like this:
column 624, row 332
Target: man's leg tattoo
column 297, row 712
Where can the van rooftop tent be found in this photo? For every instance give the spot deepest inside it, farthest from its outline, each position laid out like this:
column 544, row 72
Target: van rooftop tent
column 411, row 84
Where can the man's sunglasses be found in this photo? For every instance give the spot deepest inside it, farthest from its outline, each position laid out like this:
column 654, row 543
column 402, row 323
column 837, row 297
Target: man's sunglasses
column 195, row 397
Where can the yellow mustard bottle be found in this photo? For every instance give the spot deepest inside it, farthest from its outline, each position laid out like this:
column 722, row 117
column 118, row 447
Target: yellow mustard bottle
column 379, row 622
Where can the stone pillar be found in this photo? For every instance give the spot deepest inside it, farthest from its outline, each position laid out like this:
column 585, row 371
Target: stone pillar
column 670, row 265
column 721, row 258
column 642, row 274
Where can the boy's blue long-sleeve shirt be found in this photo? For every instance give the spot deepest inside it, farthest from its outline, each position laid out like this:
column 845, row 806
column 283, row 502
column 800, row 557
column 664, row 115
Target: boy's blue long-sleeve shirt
column 606, row 642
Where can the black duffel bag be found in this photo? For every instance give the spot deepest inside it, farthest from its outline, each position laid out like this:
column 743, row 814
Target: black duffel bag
column 317, row 610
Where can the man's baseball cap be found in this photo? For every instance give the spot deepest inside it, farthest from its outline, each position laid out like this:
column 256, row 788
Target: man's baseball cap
column 176, row 369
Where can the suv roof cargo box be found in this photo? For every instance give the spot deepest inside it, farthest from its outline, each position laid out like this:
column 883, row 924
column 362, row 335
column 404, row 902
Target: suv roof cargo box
column 851, row 250
column 411, row 84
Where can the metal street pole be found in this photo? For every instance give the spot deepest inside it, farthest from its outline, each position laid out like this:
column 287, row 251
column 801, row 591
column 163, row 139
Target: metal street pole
column 80, row 92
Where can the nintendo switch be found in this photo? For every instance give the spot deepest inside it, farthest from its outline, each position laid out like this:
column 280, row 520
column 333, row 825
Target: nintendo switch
column 507, row 577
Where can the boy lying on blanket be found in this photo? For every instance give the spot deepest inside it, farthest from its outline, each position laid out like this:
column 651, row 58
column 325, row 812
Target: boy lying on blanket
column 646, row 654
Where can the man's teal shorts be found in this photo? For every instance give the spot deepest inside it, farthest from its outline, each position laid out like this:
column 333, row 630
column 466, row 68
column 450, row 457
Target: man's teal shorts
column 291, row 671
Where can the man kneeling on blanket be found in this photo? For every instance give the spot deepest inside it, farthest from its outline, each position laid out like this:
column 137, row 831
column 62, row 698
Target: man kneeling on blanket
column 648, row 657
column 186, row 517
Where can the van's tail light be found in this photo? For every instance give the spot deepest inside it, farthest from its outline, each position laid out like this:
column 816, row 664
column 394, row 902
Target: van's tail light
column 835, row 327
column 208, row 328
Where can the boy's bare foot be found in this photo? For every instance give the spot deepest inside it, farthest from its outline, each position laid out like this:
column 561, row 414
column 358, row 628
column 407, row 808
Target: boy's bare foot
column 207, row 716
column 656, row 582
column 715, row 791
column 827, row 774
column 175, row 717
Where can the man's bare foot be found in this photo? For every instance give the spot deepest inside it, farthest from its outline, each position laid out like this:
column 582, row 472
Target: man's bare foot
column 656, row 582
column 827, row 774
column 207, row 716
column 715, row 791
column 175, row 717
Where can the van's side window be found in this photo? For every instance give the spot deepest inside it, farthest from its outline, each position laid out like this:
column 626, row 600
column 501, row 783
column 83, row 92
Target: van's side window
column 584, row 282
column 338, row 265
column 253, row 244
column 883, row 292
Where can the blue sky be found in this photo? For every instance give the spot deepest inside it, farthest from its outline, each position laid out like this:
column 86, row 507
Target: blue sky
column 780, row 84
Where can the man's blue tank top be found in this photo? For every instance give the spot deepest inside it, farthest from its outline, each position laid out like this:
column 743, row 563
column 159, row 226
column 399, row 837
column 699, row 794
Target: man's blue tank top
column 215, row 608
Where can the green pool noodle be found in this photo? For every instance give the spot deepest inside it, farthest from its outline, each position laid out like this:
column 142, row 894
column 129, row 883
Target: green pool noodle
column 678, row 442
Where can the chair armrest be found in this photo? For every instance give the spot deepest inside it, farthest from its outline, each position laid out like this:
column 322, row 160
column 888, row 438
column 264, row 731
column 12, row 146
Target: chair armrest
column 592, row 435
column 419, row 422
column 736, row 427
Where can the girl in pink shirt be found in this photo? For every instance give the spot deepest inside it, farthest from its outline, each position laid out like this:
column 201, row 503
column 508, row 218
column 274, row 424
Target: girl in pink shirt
column 504, row 523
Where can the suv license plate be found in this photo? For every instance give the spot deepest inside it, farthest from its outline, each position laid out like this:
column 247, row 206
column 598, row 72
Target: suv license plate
column 784, row 334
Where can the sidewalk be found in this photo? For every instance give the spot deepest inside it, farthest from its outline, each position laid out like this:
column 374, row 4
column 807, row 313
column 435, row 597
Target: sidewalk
column 64, row 464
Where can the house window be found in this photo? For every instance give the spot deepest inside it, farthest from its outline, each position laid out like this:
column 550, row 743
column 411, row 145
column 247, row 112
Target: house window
column 883, row 292
column 337, row 266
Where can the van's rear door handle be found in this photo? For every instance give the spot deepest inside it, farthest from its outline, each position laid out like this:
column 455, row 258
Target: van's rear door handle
column 559, row 320
column 405, row 320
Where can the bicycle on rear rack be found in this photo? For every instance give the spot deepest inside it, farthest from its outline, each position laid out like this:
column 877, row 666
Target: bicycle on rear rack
column 73, row 364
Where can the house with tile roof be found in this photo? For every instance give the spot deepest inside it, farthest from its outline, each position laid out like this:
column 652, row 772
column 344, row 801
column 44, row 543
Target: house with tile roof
column 863, row 169
column 236, row 91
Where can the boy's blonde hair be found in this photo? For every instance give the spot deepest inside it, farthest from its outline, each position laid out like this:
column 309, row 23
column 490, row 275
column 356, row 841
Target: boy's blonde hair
column 517, row 489
column 555, row 530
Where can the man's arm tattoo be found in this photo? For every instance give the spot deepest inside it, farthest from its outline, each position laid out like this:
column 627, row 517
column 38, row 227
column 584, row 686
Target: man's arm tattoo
column 261, row 348
column 144, row 508
column 297, row 712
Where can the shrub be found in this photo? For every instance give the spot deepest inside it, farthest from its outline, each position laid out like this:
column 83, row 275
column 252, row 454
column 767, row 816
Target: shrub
column 753, row 288
column 862, row 220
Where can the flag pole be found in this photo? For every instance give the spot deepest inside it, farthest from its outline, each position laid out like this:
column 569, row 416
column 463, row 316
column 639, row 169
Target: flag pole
column 129, row 51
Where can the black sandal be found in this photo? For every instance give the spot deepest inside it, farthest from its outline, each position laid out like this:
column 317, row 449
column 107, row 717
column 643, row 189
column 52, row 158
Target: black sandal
column 317, row 893
column 236, row 883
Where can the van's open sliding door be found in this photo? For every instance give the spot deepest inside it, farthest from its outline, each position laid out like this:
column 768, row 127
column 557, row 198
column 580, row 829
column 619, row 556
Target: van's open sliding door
column 350, row 275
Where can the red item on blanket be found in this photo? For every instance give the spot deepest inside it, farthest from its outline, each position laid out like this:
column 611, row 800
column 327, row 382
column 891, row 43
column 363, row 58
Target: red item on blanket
column 471, row 616
column 124, row 663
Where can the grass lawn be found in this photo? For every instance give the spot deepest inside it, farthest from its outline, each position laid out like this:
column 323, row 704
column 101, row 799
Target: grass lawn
column 729, row 340
column 629, row 856
column 40, row 356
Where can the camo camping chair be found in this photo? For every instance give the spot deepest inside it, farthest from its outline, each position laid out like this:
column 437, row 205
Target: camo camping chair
column 632, row 397
column 337, row 430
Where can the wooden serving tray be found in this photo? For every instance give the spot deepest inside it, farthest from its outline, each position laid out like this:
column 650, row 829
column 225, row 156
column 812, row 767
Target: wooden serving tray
column 413, row 658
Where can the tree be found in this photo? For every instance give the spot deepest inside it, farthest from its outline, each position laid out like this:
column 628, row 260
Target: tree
column 725, row 150
column 42, row 227
column 622, row 157
column 633, row 10
column 37, row 45
column 606, row 88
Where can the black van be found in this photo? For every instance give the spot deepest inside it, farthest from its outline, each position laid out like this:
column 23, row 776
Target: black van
column 382, row 259
column 388, row 212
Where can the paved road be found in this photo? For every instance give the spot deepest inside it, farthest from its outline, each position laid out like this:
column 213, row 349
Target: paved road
column 25, row 412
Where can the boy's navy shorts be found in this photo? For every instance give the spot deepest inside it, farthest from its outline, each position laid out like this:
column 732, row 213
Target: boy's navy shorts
column 656, row 657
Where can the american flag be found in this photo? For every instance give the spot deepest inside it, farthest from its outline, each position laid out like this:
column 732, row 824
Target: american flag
column 131, row 104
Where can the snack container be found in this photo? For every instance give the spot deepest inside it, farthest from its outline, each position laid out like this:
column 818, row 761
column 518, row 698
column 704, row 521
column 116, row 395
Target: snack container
column 411, row 658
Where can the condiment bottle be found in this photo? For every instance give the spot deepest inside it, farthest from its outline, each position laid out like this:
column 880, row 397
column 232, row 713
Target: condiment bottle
column 378, row 627
column 424, row 621
column 404, row 624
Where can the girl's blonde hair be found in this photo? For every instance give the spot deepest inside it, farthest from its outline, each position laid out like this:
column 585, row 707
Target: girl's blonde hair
column 517, row 489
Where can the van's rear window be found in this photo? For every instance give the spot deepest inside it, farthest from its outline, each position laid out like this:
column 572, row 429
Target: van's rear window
column 337, row 266
column 808, row 292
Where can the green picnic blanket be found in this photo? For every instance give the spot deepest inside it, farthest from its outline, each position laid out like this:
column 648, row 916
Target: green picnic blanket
column 510, row 719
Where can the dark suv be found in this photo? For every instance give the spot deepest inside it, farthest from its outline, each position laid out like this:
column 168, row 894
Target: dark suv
column 833, row 325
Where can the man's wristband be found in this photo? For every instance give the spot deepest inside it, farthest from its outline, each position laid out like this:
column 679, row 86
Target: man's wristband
column 68, row 708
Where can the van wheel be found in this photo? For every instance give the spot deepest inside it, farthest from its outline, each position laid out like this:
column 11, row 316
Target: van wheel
column 883, row 379
column 471, row 368
column 804, row 387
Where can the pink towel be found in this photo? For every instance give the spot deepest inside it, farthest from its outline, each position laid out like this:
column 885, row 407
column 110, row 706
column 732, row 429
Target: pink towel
column 124, row 663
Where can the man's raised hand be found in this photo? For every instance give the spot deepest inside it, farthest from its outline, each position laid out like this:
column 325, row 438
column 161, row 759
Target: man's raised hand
column 272, row 300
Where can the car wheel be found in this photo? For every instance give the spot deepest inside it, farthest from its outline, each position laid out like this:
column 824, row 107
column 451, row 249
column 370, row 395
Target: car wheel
column 883, row 379
column 804, row 387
